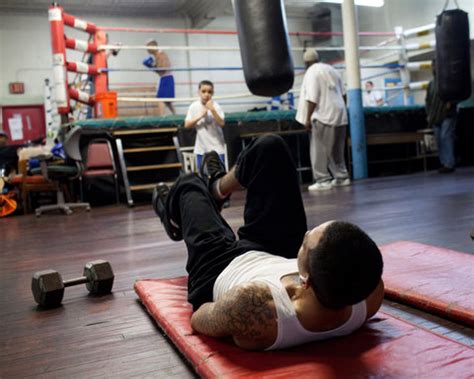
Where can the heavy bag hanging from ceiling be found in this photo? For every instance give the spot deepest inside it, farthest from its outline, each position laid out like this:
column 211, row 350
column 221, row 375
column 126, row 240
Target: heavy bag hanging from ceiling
column 453, row 66
column 264, row 46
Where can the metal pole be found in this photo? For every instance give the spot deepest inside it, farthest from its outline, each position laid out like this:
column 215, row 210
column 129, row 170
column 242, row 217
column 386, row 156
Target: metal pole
column 403, row 61
column 354, row 93
column 192, row 91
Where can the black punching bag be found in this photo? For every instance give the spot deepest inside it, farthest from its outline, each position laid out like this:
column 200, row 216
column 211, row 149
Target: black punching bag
column 264, row 46
column 453, row 66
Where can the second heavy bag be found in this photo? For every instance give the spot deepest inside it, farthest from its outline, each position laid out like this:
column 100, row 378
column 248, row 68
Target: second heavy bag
column 264, row 46
column 453, row 66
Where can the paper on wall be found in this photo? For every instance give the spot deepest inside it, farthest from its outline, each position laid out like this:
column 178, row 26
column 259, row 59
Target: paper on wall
column 16, row 128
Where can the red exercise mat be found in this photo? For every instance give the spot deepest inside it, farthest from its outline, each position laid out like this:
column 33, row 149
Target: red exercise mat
column 386, row 347
column 431, row 278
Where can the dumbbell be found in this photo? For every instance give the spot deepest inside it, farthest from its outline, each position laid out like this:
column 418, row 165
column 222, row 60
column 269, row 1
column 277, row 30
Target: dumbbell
column 48, row 285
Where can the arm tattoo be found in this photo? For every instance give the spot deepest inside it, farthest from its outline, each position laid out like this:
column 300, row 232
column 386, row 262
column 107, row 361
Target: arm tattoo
column 245, row 312
column 249, row 314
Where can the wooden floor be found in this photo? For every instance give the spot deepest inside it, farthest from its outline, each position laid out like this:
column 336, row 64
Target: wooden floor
column 113, row 336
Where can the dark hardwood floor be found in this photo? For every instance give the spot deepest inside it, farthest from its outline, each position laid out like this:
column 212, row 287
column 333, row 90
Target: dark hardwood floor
column 113, row 336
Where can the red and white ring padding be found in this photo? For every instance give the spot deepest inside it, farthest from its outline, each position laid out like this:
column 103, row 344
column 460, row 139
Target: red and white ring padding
column 81, row 96
column 58, row 46
column 82, row 68
column 77, row 23
column 80, row 45
column 431, row 278
column 386, row 347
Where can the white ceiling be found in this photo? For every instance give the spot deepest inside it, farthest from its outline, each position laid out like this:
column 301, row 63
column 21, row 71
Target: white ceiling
column 153, row 8
column 123, row 7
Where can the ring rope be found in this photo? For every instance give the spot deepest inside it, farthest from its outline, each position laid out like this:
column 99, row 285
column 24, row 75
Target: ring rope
column 85, row 46
column 412, row 86
column 412, row 46
column 232, row 32
column 177, row 69
column 392, row 66
column 127, row 85
column 180, row 99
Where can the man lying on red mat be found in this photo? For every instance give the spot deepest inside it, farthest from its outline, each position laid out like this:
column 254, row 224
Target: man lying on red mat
column 278, row 285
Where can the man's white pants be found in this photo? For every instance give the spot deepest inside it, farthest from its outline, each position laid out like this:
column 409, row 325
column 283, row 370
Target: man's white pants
column 327, row 151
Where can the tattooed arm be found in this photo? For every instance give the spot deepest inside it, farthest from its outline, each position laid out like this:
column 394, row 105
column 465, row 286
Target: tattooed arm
column 246, row 313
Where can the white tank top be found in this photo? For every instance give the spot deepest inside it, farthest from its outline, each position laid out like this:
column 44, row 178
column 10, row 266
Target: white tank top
column 263, row 267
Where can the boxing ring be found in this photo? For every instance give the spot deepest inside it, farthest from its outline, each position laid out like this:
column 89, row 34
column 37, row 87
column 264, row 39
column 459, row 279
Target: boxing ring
column 156, row 132
column 97, row 45
column 136, row 99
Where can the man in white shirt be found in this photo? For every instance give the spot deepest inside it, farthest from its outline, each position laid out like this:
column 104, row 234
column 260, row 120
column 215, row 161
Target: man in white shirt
column 372, row 98
column 322, row 110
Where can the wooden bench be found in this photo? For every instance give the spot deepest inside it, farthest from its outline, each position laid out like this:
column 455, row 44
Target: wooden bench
column 416, row 138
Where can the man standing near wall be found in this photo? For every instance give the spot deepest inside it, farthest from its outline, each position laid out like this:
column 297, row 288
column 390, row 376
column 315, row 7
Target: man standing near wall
column 160, row 60
column 322, row 110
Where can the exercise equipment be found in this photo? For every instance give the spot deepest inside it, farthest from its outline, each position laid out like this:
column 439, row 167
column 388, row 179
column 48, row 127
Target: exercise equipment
column 431, row 278
column 453, row 63
column 264, row 46
column 48, row 285
column 385, row 347
column 8, row 204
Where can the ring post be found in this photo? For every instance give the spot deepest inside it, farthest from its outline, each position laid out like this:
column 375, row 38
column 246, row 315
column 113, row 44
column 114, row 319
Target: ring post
column 354, row 93
column 58, row 47
column 403, row 61
column 100, row 61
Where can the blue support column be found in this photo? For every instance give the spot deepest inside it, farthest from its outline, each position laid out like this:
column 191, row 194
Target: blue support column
column 357, row 128
column 356, row 111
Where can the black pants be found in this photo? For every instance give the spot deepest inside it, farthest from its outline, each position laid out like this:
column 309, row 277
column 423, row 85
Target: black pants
column 274, row 216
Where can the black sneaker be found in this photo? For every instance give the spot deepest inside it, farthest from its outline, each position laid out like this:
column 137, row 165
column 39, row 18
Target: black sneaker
column 160, row 194
column 211, row 170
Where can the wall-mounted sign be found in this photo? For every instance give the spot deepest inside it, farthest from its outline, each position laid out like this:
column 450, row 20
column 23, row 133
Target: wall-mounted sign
column 16, row 87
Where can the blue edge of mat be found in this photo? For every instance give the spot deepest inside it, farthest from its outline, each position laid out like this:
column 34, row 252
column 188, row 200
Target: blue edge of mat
column 153, row 121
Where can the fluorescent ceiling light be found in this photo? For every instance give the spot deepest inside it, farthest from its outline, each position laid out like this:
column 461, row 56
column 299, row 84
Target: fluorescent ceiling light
column 365, row 3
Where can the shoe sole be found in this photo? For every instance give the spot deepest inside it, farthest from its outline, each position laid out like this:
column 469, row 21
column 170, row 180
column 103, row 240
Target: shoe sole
column 342, row 185
column 320, row 189
column 160, row 193
column 206, row 157
column 210, row 180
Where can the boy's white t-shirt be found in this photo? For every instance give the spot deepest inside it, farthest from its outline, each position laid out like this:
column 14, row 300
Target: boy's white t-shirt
column 209, row 135
column 323, row 85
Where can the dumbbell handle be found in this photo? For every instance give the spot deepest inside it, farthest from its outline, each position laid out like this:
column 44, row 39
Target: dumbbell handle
column 75, row 281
